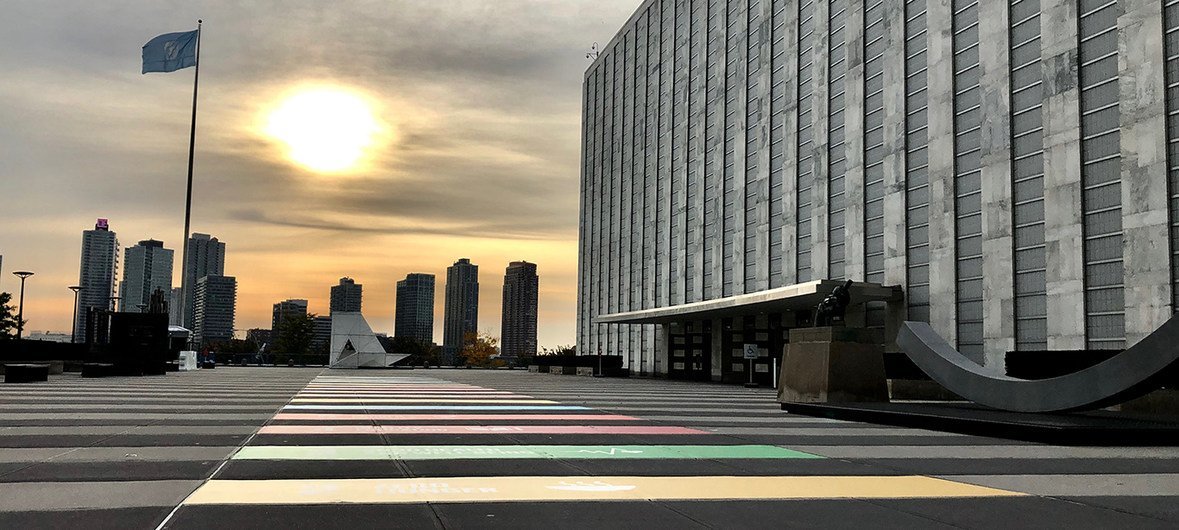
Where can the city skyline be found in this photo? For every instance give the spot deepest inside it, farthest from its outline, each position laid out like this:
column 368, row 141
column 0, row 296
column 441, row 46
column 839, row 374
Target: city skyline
column 482, row 109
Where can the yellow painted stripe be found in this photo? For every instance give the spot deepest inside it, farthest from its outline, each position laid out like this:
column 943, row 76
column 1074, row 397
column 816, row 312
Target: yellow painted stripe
column 579, row 488
column 423, row 400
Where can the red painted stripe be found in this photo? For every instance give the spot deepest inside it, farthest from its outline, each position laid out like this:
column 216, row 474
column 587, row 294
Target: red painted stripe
column 449, row 417
column 476, row 429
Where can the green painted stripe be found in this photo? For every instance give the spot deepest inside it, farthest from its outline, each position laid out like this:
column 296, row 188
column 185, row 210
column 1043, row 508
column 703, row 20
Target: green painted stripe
column 451, row 452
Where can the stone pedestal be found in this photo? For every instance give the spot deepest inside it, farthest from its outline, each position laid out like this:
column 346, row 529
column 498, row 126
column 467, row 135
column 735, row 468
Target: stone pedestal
column 833, row 365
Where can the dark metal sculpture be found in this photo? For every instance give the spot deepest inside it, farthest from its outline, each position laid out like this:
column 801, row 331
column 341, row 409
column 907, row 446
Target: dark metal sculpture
column 1127, row 375
column 833, row 307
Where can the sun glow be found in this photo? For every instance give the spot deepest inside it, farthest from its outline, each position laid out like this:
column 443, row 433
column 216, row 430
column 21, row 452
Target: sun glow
column 328, row 130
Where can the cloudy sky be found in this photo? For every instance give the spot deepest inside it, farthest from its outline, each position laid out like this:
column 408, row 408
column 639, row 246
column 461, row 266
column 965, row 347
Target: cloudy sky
column 477, row 104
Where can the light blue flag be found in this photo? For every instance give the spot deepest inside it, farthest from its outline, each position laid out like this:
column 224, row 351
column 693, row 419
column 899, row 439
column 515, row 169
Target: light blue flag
column 170, row 52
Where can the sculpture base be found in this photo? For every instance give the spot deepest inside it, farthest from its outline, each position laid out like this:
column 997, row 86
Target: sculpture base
column 1087, row 428
column 833, row 365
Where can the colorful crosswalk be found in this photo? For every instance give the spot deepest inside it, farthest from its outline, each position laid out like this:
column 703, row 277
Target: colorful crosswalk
column 338, row 421
column 229, row 448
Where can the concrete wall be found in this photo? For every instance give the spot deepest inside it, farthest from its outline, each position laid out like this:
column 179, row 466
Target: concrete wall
column 697, row 125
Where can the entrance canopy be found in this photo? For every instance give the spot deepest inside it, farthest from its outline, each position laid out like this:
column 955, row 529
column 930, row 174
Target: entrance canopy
column 802, row 296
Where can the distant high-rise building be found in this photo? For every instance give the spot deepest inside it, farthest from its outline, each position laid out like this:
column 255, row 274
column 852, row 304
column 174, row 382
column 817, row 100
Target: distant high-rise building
column 206, row 257
column 518, row 327
column 284, row 310
column 415, row 308
column 146, row 267
column 216, row 300
column 322, row 332
column 100, row 264
column 174, row 313
column 346, row 296
column 461, row 313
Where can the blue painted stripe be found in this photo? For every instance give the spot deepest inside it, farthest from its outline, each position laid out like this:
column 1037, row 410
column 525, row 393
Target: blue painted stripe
column 435, row 407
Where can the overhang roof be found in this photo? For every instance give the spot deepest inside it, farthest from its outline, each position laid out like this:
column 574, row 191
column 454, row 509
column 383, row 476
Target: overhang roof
column 790, row 298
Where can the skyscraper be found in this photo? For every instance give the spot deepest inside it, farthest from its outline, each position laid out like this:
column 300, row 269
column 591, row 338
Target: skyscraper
column 346, row 296
column 206, row 257
column 321, row 335
column 285, row 309
column 415, row 308
column 461, row 313
column 146, row 267
column 518, row 327
column 215, row 301
column 100, row 264
column 174, row 313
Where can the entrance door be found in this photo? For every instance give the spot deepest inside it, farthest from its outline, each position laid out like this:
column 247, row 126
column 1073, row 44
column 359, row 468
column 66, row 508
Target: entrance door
column 690, row 351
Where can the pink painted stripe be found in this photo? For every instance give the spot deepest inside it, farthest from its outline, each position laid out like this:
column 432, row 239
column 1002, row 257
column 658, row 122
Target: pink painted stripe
column 399, row 386
column 476, row 429
column 368, row 393
column 406, row 391
column 449, row 417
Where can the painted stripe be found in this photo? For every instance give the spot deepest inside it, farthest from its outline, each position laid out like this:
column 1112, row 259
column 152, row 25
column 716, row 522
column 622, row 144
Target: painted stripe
column 399, row 392
column 426, row 400
column 424, row 397
column 578, row 488
column 475, row 429
column 452, row 452
column 449, row 417
column 432, row 407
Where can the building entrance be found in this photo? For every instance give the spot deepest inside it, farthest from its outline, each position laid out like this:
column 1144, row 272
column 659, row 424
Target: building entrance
column 690, row 351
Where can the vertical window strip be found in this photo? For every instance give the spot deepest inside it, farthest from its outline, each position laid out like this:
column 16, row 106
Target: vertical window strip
column 967, row 177
column 661, row 157
column 651, row 131
column 806, row 31
column 693, row 216
column 679, row 140
column 1027, row 176
column 916, row 160
column 1171, row 51
column 873, row 53
column 836, row 155
column 752, row 139
column 1105, row 326
column 733, row 90
column 778, row 81
column 712, row 173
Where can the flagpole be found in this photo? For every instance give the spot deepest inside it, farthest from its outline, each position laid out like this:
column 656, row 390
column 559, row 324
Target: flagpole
column 183, row 299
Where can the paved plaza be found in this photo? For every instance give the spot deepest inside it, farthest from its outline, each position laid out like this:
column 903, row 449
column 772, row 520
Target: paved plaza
column 310, row 448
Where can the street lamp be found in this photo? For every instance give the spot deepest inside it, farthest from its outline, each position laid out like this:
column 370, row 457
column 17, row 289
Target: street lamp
column 20, row 315
column 74, row 322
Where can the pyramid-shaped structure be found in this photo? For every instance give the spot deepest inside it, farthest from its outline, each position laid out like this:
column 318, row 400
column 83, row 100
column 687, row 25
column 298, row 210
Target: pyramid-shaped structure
column 354, row 345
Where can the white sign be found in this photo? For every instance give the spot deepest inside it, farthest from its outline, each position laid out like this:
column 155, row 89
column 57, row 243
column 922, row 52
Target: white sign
column 751, row 351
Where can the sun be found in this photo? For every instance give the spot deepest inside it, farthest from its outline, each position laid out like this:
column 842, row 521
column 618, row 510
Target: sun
column 328, row 130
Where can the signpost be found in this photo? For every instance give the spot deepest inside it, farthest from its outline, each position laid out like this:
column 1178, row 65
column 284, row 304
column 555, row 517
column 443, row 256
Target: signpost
column 751, row 354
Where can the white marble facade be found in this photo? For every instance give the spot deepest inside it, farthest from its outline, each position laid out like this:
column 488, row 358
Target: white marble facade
column 986, row 156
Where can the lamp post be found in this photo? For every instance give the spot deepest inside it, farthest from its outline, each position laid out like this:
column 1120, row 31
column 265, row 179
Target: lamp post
column 20, row 315
column 74, row 322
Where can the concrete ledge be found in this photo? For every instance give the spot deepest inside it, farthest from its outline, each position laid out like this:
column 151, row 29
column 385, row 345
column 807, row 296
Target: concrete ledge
column 55, row 367
column 26, row 373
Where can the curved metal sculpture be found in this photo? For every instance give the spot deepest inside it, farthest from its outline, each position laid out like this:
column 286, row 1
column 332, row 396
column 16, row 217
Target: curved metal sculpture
column 1127, row 375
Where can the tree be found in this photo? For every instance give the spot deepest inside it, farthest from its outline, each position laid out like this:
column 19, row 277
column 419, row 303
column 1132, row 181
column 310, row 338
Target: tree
column 419, row 352
column 559, row 350
column 295, row 334
column 478, row 349
column 7, row 317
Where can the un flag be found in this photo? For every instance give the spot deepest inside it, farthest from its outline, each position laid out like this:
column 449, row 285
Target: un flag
column 170, row 52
